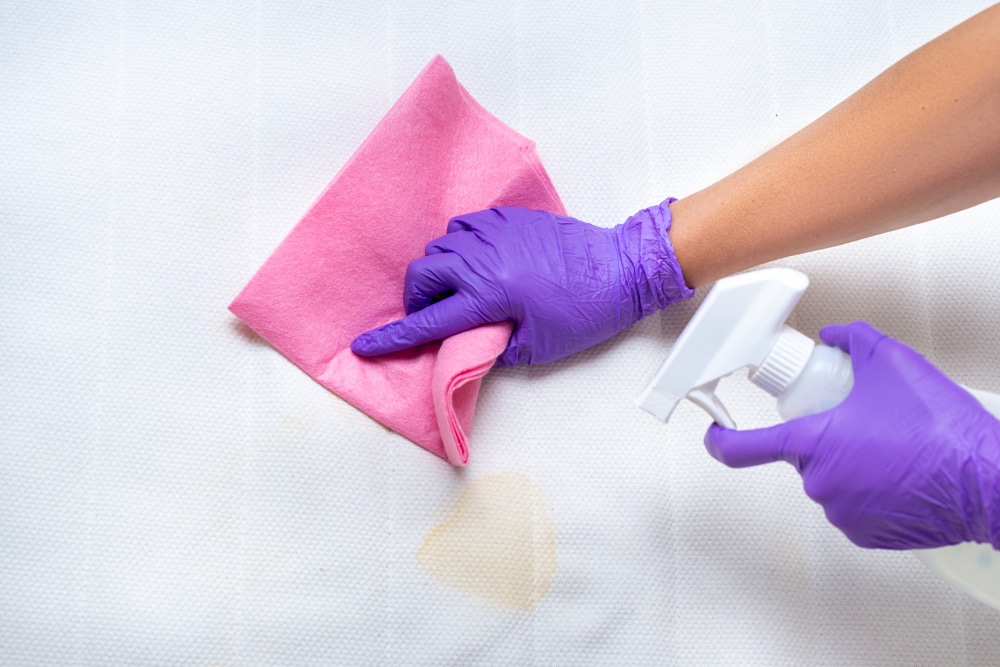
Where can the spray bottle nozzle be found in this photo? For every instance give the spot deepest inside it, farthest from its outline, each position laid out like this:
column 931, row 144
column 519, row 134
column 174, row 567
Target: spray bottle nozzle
column 740, row 323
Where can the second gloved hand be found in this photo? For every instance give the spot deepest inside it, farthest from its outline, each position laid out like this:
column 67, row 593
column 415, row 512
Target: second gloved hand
column 566, row 284
column 908, row 460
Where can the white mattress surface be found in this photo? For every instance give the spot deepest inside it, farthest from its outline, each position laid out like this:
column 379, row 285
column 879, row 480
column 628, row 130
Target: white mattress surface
column 173, row 491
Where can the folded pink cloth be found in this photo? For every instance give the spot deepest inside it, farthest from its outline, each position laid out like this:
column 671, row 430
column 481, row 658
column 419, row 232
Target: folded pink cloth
column 435, row 155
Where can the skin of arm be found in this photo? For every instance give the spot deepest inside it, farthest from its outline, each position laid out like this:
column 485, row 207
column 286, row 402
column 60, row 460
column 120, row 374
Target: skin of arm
column 918, row 142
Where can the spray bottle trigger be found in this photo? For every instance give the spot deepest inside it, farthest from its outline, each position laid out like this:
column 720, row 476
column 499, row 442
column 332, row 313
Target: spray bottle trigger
column 705, row 398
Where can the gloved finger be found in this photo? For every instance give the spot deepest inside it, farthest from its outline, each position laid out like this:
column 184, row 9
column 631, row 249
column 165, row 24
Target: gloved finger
column 509, row 356
column 741, row 449
column 471, row 222
column 429, row 278
column 435, row 322
column 857, row 339
column 460, row 242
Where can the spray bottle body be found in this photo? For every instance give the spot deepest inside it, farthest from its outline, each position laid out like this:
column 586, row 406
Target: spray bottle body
column 805, row 378
column 825, row 381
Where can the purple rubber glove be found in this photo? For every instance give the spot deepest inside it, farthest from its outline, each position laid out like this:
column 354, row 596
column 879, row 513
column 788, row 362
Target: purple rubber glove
column 566, row 284
column 909, row 460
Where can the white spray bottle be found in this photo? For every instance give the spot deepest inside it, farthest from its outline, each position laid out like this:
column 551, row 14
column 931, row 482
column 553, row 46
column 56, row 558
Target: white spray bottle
column 742, row 323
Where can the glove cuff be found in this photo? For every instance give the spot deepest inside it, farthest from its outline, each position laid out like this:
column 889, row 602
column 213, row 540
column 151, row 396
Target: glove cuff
column 647, row 262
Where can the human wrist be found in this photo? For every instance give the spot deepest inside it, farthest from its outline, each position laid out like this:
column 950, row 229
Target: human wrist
column 703, row 237
column 650, row 271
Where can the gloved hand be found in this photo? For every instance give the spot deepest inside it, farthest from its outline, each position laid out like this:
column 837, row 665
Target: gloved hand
column 566, row 284
column 908, row 460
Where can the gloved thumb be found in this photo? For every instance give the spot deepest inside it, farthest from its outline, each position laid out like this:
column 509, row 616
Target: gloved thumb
column 858, row 339
column 435, row 322
column 741, row 449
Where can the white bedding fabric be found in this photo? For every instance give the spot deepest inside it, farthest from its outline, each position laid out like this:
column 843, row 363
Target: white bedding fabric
column 173, row 491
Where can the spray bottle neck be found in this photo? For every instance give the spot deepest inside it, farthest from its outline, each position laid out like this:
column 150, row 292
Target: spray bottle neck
column 784, row 363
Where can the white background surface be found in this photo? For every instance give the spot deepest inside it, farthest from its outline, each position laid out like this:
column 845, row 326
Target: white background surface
column 172, row 491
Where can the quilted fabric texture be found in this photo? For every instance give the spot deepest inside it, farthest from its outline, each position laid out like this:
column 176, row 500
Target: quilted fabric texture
column 174, row 491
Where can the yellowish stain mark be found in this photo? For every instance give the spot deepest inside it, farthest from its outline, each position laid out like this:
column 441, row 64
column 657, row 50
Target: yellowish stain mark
column 499, row 543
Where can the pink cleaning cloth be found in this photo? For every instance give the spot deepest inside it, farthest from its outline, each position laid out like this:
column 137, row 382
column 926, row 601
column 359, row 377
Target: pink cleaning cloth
column 435, row 155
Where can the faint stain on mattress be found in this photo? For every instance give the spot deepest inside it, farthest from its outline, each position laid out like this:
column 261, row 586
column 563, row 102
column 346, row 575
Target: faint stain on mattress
column 499, row 543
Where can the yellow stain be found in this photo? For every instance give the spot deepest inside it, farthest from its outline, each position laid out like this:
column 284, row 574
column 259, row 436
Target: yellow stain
column 499, row 543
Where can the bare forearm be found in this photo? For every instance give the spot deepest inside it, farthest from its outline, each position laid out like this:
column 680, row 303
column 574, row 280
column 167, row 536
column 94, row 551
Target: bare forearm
column 920, row 141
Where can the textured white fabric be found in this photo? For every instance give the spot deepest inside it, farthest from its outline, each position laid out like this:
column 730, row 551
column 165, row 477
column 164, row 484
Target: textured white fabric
column 173, row 491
